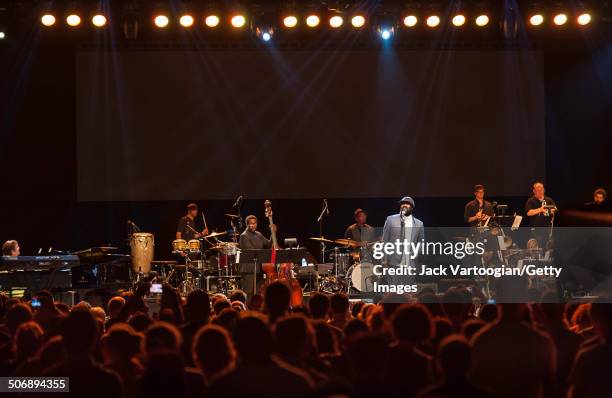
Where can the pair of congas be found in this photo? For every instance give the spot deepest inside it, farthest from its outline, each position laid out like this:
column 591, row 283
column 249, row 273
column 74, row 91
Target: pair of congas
column 181, row 245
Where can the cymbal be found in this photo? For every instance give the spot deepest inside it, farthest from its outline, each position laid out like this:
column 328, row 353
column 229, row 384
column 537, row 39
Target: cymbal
column 232, row 215
column 347, row 242
column 215, row 234
column 322, row 240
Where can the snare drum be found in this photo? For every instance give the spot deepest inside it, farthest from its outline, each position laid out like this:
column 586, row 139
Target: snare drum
column 141, row 245
column 179, row 245
column 362, row 277
column 230, row 248
column 194, row 245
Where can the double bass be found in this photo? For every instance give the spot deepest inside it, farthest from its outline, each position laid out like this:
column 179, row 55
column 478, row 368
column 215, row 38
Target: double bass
column 284, row 271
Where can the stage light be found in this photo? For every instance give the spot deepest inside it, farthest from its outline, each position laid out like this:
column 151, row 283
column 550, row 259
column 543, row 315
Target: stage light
column 73, row 20
column 482, row 20
column 186, row 20
column 433, row 21
column 212, row 21
column 584, row 19
column 336, row 21
column 410, row 21
column 265, row 33
column 459, row 20
column 358, row 21
column 386, row 33
column 536, row 19
column 98, row 20
column 560, row 19
column 238, row 21
column 290, row 21
column 2, row 35
column 312, row 21
column 161, row 21
column 47, row 20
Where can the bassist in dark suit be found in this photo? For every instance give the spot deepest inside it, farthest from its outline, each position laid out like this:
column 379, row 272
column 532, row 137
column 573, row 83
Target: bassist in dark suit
column 251, row 238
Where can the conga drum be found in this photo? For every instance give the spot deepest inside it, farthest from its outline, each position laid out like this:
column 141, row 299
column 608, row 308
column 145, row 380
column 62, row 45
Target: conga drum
column 141, row 245
column 179, row 245
column 194, row 245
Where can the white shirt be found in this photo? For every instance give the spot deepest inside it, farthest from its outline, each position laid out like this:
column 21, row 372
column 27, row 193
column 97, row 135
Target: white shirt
column 408, row 222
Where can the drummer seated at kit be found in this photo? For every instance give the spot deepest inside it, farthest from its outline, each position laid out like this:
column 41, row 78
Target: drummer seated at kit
column 251, row 238
column 186, row 228
column 360, row 231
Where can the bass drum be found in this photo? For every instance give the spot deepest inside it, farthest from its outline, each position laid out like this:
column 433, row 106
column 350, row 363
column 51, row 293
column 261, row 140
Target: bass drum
column 361, row 277
column 141, row 245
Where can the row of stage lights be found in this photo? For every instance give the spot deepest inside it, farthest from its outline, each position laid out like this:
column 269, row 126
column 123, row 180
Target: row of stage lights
column 238, row 21
column 73, row 20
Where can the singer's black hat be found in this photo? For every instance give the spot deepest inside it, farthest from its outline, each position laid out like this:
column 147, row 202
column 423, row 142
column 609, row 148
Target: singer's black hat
column 407, row 199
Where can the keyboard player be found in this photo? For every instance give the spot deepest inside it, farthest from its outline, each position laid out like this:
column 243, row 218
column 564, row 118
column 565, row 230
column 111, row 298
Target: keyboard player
column 10, row 248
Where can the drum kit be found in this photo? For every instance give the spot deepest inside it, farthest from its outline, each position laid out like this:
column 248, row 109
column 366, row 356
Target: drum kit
column 210, row 263
column 205, row 266
column 196, row 267
column 353, row 269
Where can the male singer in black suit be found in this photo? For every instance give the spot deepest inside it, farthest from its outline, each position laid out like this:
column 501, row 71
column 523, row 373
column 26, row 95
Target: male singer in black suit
column 479, row 210
column 399, row 227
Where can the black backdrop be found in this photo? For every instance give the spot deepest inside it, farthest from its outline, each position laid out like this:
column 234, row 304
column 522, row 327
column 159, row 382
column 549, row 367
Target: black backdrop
column 39, row 203
column 164, row 125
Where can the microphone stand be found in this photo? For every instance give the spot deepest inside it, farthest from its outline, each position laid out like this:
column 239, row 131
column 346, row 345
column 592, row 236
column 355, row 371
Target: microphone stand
column 552, row 226
column 240, row 215
column 238, row 206
column 402, row 226
column 132, row 229
column 324, row 211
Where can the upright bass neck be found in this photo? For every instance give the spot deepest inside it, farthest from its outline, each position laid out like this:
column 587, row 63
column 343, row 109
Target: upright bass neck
column 268, row 205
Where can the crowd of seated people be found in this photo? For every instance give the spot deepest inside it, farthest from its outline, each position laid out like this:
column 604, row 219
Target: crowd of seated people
column 238, row 346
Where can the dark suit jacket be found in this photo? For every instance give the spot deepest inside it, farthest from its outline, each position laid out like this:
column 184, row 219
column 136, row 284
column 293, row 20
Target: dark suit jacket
column 392, row 233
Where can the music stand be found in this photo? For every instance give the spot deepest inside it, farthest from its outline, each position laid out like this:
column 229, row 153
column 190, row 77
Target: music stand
column 254, row 257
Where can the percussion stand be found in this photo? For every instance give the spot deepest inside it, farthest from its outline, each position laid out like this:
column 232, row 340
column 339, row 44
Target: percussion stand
column 233, row 228
column 234, row 238
column 324, row 212
column 336, row 262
